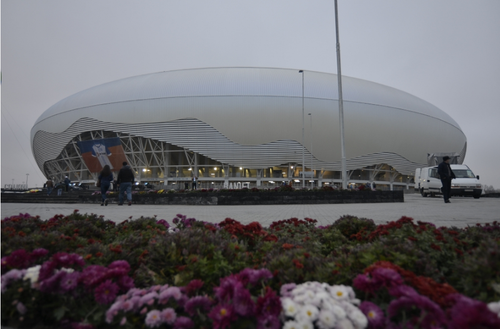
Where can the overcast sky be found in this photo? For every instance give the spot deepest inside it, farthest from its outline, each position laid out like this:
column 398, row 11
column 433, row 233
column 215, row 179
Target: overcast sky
column 446, row 52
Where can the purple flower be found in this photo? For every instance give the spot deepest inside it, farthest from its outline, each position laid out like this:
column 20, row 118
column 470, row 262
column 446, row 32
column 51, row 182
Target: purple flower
column 227, row 287
column 113, row 311
column 69, row 281
column 168, row 315
column 168, row 293
column 183, row 322
column 402, row 290
column 12, row 275
column 266, row 321
column 17, row 259
column 366, row 284
column 286, row 289
column 79, row 325
column 120, row 264
column 126, row 283
column 148, row 299
column 153, row 319
column 37, row 253
column 269, row 304
column 222, row 316
column 131, row 304
column 431, row 313
column 374, row 314
column 21, row 308
column 201, row 303
column 469, row 313
column 52, row 284
column 253, row 277
column 387, row 276
column 63, row 259
column 243, row 303
column 106, row 292
column 91, row 275
column 163, row 222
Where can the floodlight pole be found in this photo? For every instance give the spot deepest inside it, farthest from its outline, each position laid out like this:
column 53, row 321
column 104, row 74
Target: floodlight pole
column 311, row 134
column 341, row 102
column 303, row 146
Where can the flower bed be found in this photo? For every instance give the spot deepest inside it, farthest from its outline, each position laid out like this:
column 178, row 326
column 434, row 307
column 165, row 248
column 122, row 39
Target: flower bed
column 254, row 196
column 82, row 271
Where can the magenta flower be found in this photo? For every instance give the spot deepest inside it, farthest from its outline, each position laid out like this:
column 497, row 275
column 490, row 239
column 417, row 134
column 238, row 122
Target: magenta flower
column 198, row 303
column 52, row 284
column 18, row 259
column 430, row 312
column 153, row 319
column 375, row 316
column 227, row 286
column 63, row 259
column 183, row 322
column 387, row 276
column 243, row 303
column 106, row 292
column 402, row 290
column 69, row 281
column 120, row 264
column 366, row 284
column 37, row 253
column 253, row 277
column 193, row 286
column 126, row 283
column 268, row 321
column 269, row 304
column 468, row 313
column 222, row 316
column 168, row 315
column 91, row 275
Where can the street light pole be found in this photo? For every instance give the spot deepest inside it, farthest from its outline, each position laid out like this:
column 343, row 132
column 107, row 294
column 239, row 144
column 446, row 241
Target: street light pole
column 341, row 102
column 311, row 137
column 303, row 146
column 27, row 180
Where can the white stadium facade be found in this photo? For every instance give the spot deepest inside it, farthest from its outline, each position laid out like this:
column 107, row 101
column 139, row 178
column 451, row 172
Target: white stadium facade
column 242, row 125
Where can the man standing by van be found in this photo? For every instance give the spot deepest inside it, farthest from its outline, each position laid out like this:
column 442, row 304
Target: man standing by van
column 446, row 174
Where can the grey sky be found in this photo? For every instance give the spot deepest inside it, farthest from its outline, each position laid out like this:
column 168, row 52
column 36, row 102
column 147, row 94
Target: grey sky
column 446, row 52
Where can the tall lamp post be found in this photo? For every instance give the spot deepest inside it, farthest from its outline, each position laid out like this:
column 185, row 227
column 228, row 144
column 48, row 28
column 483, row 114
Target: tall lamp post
column 310, row 135
column 303, row 147
column 27, row 180
column 341, row 102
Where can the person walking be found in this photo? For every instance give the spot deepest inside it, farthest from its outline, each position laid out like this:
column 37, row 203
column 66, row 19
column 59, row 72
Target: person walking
column 104, row 180
column 50, row 186
column 446, row 174
column 195, row 179
column 66, row 183
column 124, row 180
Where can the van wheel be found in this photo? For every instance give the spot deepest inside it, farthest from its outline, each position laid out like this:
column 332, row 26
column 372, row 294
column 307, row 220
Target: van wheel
column 423, row 193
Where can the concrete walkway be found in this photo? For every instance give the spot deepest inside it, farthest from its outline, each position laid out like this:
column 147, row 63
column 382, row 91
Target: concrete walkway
column 461, row 212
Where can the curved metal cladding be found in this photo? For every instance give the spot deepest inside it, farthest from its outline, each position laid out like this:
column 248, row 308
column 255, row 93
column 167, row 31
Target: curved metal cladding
column 252, row 117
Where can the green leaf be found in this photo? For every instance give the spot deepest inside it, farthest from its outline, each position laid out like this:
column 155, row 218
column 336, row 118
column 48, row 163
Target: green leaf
column 59, row 312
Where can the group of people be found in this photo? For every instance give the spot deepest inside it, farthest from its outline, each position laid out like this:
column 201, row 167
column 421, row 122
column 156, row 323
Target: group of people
column 50, row 186
column 124, row 181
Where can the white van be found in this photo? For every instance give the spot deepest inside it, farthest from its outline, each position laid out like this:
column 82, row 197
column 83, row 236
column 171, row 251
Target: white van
column 427, row 181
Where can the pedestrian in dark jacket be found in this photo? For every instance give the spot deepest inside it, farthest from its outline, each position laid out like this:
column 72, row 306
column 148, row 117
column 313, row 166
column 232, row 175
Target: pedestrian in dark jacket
column 125, row 180
column 105, row 179
column 446, row 175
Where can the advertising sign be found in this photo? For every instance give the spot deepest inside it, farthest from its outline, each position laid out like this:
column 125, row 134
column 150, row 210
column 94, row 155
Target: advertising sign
column 100, row 152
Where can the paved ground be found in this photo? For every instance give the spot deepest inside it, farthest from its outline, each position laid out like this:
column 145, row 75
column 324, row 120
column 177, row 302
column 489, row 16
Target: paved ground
column 461, row 212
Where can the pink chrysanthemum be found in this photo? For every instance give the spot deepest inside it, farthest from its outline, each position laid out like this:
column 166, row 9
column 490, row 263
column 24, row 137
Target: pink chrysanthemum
column 69, row 281
column 243, row 303
column 168, row 315
column 366, row 284
column 153, row 319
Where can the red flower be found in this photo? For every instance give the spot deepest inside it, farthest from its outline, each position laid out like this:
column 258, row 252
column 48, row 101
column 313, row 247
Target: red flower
column 287, row 246
column 298, row 264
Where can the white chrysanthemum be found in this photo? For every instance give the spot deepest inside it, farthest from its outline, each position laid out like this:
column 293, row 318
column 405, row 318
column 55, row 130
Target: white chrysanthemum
column 326, row 319
column 344, row 324
column 32, row 274
column 289, row 306
column 304, row 324
column 495, row 307
column 305, row 298
column 291, row 325
column 307, row 313
column 358, row 319
column 319, row 297
column 67, row 270
column 299, row 290
column 339, row 292
column 338, row 311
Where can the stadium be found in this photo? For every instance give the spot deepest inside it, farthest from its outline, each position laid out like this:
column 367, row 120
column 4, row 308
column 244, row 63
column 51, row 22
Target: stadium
column 242, row 126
